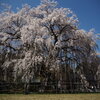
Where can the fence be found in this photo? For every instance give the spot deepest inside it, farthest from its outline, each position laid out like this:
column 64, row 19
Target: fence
column 44, row 87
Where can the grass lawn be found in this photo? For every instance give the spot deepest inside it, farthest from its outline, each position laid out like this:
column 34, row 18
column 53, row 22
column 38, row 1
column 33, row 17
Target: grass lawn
column 50, row 97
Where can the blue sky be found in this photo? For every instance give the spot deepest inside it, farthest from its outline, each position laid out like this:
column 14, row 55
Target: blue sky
column 87, row 11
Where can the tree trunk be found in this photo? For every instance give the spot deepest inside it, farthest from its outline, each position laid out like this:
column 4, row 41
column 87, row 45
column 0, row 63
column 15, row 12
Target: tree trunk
column 26, row 87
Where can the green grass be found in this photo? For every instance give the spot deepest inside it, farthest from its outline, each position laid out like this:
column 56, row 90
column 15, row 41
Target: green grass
column 50, row 97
